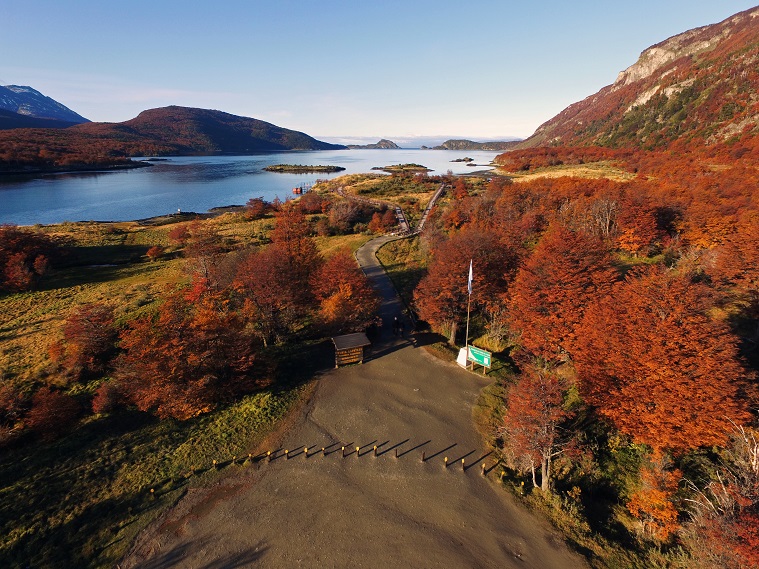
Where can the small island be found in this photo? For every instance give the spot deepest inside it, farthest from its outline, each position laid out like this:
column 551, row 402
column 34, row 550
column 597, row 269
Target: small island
column 467, row 159
column 403, row 168
column 302, row 169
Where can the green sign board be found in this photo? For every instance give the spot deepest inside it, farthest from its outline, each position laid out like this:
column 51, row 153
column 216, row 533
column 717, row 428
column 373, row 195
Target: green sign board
column 479, row 356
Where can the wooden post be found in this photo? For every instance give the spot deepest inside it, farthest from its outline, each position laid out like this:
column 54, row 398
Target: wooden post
column 268, row 456
column 357, row 449
column 446, row 461
column 463, row 468
column 375, row 451
column 483, row 469
column 423, row 456
column 343, row 449
column 305, row 452
column 324, row 452
column 287, row 454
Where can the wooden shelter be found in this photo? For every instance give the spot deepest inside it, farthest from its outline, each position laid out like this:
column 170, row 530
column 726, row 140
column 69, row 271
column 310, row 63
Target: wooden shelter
column 350, row 348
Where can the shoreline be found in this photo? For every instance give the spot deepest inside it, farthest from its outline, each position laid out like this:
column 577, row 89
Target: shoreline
column 132, row 165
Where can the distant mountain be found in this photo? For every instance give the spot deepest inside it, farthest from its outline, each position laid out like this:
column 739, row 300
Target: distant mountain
column 163, row 131
column 185, row 130
column 31, row 103
column 698, row 87
column 382, row 144
column 9, row 119
column 498, row 146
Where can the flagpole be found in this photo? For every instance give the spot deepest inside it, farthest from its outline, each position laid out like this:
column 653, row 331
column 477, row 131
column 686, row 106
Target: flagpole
column 468, row 304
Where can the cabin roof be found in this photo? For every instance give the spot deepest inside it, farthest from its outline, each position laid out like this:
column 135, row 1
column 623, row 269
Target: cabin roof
column 348, row 341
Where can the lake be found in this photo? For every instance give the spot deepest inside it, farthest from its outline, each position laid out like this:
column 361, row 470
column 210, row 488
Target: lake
column 195, row 183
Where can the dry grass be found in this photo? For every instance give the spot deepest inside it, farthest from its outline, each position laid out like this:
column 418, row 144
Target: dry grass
column 591, row 171
column 328, row 246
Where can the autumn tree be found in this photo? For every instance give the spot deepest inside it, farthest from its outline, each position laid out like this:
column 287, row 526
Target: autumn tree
column 291, row 240
column 723, row 530
column 275, row 298
column 154, row 252
column 274, row 282
column 185, row 358
column 347, row 300
column 653, row 362
column 532, row 424
column 24, row 257
column 737, row 261
column 565, row 272
column 89, row 335
column 255, row 208
column 52, row 413
column 651, row 502
column 441, row 296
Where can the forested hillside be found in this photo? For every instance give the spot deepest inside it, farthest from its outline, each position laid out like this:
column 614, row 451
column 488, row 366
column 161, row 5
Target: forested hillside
column 696, row 88
column 628, row 312
column 165, row 131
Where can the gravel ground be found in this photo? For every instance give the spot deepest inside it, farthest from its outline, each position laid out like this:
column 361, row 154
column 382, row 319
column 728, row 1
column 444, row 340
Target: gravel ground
column 361, row 510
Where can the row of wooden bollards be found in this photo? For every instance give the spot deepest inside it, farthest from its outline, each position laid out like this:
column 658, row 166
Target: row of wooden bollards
column 345, row 452
column 271, row 456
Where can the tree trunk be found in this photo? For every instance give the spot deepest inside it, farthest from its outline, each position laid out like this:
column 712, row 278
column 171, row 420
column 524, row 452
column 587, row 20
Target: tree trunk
column 452, row 338
column 534, row 482
column 545, row 474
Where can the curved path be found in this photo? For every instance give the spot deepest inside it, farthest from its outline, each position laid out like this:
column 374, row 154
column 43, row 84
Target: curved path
column 386, row 511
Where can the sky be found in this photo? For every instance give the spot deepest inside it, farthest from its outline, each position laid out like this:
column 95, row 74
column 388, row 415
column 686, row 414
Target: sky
column 343, row 71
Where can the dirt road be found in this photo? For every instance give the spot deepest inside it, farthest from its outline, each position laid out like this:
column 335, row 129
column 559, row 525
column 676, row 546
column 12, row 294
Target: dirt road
column 360, row 510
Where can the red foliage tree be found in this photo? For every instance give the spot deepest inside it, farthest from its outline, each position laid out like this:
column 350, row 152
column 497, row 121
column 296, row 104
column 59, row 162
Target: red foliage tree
column 724, row 526
column 154, row 252
column 89, row 336
column 565, row 272
column 653, row 363
column 186, row 358
column 275, row 298
column 52, row 413
column 532, row 424
column 441, row 296
column 24, row 257
column 291, row 240
column 255, row 208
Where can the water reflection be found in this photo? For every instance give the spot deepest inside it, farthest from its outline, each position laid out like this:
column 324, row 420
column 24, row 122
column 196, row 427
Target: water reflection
column 196, row 183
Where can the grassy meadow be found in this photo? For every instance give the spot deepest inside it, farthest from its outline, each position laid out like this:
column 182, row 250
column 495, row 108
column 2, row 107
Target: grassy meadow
column 79, row 500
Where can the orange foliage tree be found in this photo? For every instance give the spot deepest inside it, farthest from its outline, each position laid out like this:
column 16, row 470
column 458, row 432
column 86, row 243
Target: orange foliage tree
column 441, row 296
column 655, row 364
column 651, row 503
column 186, row 358
column 347, row 300
column 565, row 272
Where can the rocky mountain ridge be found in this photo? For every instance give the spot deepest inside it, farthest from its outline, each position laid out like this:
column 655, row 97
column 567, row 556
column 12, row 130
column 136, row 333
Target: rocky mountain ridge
column 701, row 85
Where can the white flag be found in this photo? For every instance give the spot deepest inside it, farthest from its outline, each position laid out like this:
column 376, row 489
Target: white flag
column 469, row 282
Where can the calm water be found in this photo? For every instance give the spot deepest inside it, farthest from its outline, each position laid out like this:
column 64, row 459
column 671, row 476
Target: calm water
column 195, row 183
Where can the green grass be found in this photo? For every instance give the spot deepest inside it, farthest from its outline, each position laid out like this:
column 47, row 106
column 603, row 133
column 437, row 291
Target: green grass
column 404, row 263
column 80, row 501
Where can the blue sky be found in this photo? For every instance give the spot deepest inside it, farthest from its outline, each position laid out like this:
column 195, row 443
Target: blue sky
column 333, row 69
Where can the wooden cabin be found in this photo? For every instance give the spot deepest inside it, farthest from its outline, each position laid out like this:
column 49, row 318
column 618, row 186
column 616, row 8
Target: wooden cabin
column 351, row 348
